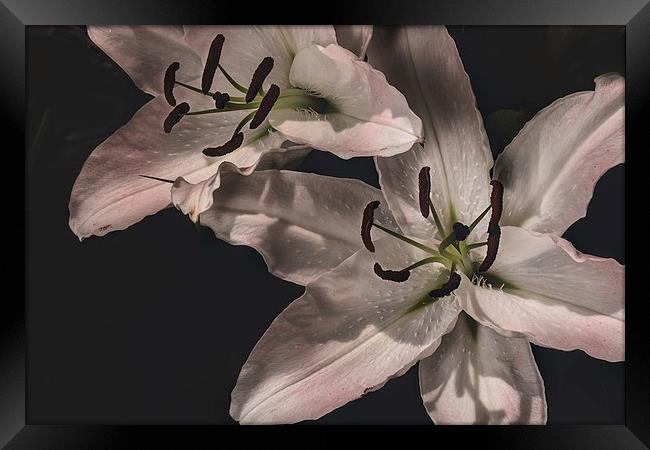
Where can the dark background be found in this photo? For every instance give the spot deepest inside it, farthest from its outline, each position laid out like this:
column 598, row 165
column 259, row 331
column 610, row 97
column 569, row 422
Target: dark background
column 152, row 324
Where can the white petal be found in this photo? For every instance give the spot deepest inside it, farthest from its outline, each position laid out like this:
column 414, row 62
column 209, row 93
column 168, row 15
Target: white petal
column 354, row 38
column 370, row 117
column 423, row 63
column 551, row 167
column 349, row 333
column 303, row 224
column 110, row 193
column 245, row 47
column 554, row 295
column 145, row 52
column 477, row 376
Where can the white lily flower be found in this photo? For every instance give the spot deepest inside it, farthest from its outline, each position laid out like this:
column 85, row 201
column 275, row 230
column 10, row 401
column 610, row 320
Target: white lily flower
column 273, row 84
column 427, row 288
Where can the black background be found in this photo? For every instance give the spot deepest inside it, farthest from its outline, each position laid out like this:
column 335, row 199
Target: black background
column 151, row 324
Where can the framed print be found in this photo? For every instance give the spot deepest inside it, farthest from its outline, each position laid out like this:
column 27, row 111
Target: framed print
column 419, row 220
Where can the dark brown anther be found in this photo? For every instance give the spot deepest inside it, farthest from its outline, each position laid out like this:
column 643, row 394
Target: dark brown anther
column 447, row 288
column 211, row 64
column 461, row 231
column 265, row 106
column 496, row 201
column 425, row 190
column 175, row 115
column 170, row 81
column 220, row 99
column 494, row 236
column 259, row 76
column 397, row 276
column 366, row 225
column 233, row 144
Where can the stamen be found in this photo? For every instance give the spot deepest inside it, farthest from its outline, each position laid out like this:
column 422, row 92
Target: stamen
column 259, row 76
column 447, row 288
column 231, row 80
column 494, row 236
column 265, row 106
column 366, row 225
column 220, row 99
column 416, row 244
column 214, row 55
column 479, row 218
column 170, row 80
column 496, row 201
column 233, row 144
column 243, row 122
column 397, row 276
column 425, row 190
column 175, row 116
column 494, row 231
column 461, row 231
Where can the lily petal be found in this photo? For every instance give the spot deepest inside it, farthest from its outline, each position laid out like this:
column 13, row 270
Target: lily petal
column 477, row 376
column 145, row 52
column 195, row 198
column 246, row 46
column 423, row 63
column 349, row 333
column 554, row 295
column 111, row 194
column 313, row 220
column 368, row 116
column 354, row 38
column 551, row 167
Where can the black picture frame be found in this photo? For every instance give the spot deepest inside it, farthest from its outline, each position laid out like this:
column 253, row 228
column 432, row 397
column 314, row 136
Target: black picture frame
column 15, row 15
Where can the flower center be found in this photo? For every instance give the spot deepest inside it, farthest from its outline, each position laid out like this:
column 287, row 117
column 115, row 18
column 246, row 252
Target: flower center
column 454, row 251
column 255, row 99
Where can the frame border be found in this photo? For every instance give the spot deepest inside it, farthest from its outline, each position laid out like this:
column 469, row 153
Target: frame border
column 15, row 15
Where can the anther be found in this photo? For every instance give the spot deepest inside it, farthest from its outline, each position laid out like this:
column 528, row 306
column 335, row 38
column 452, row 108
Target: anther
column 397, row 276
column 220, row 99
column 175, row 116
column 494, row 236
column 214, row 55
column 425, row 190
column 265, row 106
column 233, row 144
column 447, row 288
column 496, row 201
column 259, row 76
column 170, row 80
column 461, row 231
column 366, row 225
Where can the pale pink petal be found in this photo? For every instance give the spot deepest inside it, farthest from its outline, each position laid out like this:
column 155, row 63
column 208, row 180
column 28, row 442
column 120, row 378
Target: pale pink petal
column 111, row 194
column 354, row 38
column 193, row 198
column 366, row 116
column 423, row 63
column 145, row 52
column 477, row 376
column 246, row 46
column 303, row 224
column 349, row 333
column 553, row 294
column 551, row 167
